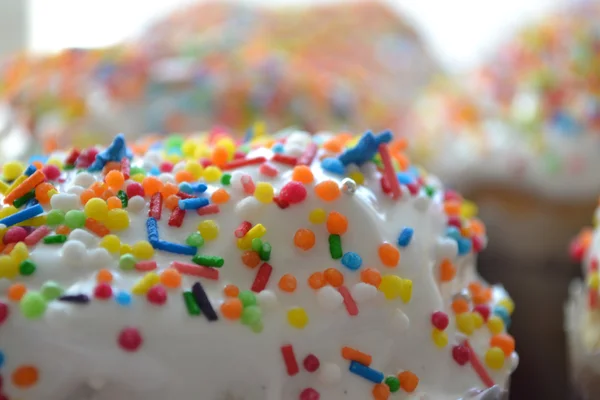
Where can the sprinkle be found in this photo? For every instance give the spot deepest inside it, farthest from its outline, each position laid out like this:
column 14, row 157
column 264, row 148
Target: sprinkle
column 333, row 165
column 293, row 192
column 405, row 236
column 75, row 298
column 297, row 317
column 244, row 162
column 208, row 261
column 248, row 184
column 34, row 237
column 97, row 227
column 349, row 302
column 144, row 266
column 351, row 354
column 289, row 358
column 283, row 159
column 152, row 229
column 130, row 339
column 209, row 209
column 21, row 201
column 388, row 171
column 327, row 190
column 203, row 302
column 123, row 197
column 309, row 154
column 265, row 252
column 190, row 304
column 281, row 203
column 366, row 372
column 125, row 167
column 335, row 246
column 268, row 170
column 478, row 366
column 193, row 204
column 262, row 278
column 351, row 261
column 156, row 205
column 242, row 229
column 54, row 239
column 257, row 231
column 195, row 270
column 175, row 248
column 183, row 195
column 176, row 218
column 27, row 185
column 304, row 239
column 408, row 381
column 21, row 216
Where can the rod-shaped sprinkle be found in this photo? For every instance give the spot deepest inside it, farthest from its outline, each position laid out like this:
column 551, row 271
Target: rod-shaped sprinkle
column 22, row 215
column 203, row 302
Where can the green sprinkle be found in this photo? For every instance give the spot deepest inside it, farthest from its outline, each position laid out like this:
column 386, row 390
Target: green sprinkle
column 190, row 303
column 265, row 252
column 75, row 219
column 257, row 244
column 195, row 240
column 69, row 167
column 137, row 170
column 51, row 290
column 251, row 315
column 24, row 199
column 55, row 217
column 54, row 239
column 226, row 179
column 208, row 261
column 33, row 305
column 429, row 191
column 127, row 262
column 123, row 197
column 27, row 268
column 247, row 297
column 335, row 246
column 393, row 383
column 174, row 142
column 257, row 327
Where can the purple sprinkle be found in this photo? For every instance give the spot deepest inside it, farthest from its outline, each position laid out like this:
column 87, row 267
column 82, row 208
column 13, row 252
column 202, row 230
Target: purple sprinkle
column 75, row 298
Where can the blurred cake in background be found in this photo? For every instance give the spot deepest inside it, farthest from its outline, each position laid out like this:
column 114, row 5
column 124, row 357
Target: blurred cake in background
column 345, row 66
column 521, row 137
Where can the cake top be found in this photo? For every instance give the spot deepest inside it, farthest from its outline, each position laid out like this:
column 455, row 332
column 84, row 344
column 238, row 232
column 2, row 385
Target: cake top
column 310, row 253
column 529, row 116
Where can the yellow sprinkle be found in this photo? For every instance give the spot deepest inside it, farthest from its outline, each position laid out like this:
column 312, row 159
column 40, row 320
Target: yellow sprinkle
column 494, row 358
column 112, row 243
column 97, row 209
column 3, row 187
column 317, row 216
column 465, row 323
column 202, row 151
column 406, row 290
column 297, row 317
column 125, row 249
column 35, row 221
column 495, row 324
column 20, row 253
column 212, row 173
column 391, row 286
column 508, row 304
column 440, row 338
column 227, row 144
column 256, row 231
column 16, row 183
column 357, row 177
column 117, row 219
column 264, row 192
column 468, row 209
column 188, row 148
column 9, row 268
column 12, row 169
column 477, row 320
column 259, row 129
column 138, row 178
column 195, row 168
column 172, row 158
column 142, row 250
column 56, row 162
column 142, row 286
column 208, row 229
column 6, row 211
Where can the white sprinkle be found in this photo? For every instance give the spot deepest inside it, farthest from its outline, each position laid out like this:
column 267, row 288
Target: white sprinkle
column 267, row 299
column 99, row 257
column 514, row 361
column 65, row 201
column 422, row 202
column 236, row 181
column 294, row 150
column 445, row 248
column 180, row 166
column 299, row 138
column 363, row 292
column 330, row 373
column 166, row 177
column 83, row 236
column 74, row 253
column 76, row 190
column 152, row 159
column 329, row 298
column 84, row 179
column 400, row 321
column 249, row 208
column 136, row 204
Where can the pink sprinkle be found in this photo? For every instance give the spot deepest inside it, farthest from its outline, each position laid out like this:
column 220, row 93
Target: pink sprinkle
column 478, row 366
column 134, row 189
column 311, row 363
column 125, row 167
column 293, row 192
column 34, row 237
column 483, row 310
column 309, row 154
column 130, row 339
column 413, row 188
column 451, row 195
column 209, row 209
column 241, row 230
column 309, row 394
column 166, row 167
column 15, row 234
column 388, row 171
column 248, row 184
column 594, row 264
column 349, row 302
column 205, row 162
column 268, row 170
column 144, row 266
column 184, row 195
column 157, row 295
column 51, row 171
column 3, row 312
column 103, row 291
column 454, row 221
column 477, row 243
column 283, row 159
column 242, row 162
column 196, row 270
column 262, row 278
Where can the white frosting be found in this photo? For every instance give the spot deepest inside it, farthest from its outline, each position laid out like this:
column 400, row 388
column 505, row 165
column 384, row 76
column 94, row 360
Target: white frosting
column 185, row 357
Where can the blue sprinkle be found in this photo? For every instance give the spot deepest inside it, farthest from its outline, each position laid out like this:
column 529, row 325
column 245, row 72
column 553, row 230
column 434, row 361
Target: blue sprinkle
column 364, row 151
column 30, row 170
column 154, row 171
column 123, row 298
column 277, row 148
column 384, row 137
column 405, row 236
column 152, row 230
column 1, row 358
column 199, row 188
column 453, row 233
column 185, row 187
column 38, row 157
column 369, row 374
column 464, row 246
column 333, row 165
column 503, row 313
column 32, row 202
column 175, row 248
column 22, row 215
column 405, row 178
column 193, row 204
column 351, row 260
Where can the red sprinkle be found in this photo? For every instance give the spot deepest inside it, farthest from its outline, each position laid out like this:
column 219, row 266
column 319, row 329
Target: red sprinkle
column 205, row 162
column 156, row 205
column 477, row 243
column 125, row 167
column 282, row 158
column 209, row 209
column 413, row 188
column 34, row 237
column 268, row 170
column 478, row 366
column 385, row 188
column 166, row 167
column 388, row 171
column 15, row 234
column 196, row 270
column 483, row 310
column 243, row 163
column 461, row 354
column 184, row 195
column 309, row 154
column 241, row 230
column 134, row 189
column 176, row 218
column 51, row 171
column 262, row 278
column 349, row 302
column 144, row 266
column 289, row 358
column 3, row 312
column 281, row 203
column 103, row 291
column 440, row 320
column 309, row 394
column 248, row 184
column 72, row 158
column 311, row 363
column 157, row 295
column 130, row 339
column 293, row 192
column 594, row 264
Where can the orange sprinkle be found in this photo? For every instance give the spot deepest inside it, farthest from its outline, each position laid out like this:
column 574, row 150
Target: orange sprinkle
column 381, row 391
column 108, row 193
column 370, row 276
column 170, row 278
column 288, row 283
column 460, row 306
column 98, row 188
column 452, row 207
column 25, row 376
column 28, row 184
column 97, row 227
column 184, row 176
column 220, row 196
column 104, row 276
column 8, row 248
column 41, row 192
column 475, row 287
column 251, row 258
column 447, row 271
column 302, row 173
column 86, row 196
column 350, row 354
column 111, row 166
column 337, row 224
column 38, row 164
column 63, row 230
column 504, row 341
column 169, row 189
column 317, row 280
column 16, row 291
column 402, row 160
column 231, row 291
column 333, row 145
column 152, row 185
column 232, row 308
column 389, row 255
column 220, row 156
column 477, row 227
column 304, row 239
column 408, row 381
column 114, row 202
column 171, row 202
column 327, row 190
column 334, row 277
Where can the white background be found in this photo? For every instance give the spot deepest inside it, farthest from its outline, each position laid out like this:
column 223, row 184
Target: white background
column 459, row 31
